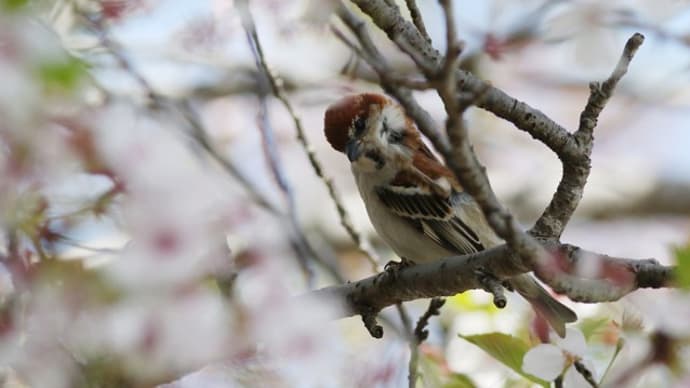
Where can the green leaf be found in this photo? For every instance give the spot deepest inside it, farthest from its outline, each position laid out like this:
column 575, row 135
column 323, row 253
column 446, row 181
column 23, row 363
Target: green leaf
column 505, row 348
column 61, row 75
column 459, row 380
column 12, row 5
column 592, row 326
column 683, row 270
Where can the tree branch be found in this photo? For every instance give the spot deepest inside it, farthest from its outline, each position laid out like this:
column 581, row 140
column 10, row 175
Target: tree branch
column 458, row 90
column 416, row 17
column 276, row 85
column 419, row 335
column 526, row 118
column 459, row 156
column 457, row 274
column 372, row 56
column 576, row 169
column 97, row 25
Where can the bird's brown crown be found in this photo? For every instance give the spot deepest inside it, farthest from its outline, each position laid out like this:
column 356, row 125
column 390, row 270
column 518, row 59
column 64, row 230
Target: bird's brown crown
column 341, row 114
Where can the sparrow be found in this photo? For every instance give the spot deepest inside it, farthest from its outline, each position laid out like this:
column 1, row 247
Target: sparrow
column 413, row 201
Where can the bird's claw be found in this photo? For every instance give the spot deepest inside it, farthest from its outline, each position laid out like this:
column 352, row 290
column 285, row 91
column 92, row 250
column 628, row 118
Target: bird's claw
column 393, row 268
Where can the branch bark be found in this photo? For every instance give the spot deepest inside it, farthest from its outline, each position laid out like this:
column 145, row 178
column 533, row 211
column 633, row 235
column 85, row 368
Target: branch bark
column 526, row 118
column 538, row 250
column 576, row 168
column 457, row 274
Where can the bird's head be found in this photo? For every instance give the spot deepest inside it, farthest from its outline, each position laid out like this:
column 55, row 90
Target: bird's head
column 372, row 131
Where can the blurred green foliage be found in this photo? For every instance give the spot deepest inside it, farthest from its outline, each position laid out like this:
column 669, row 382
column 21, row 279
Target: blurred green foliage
column 61, row 76
column 12, row 5
column 434, row 373
column 459, row 380
column 592, row 326
column 505, row 348
column 466, row 301
column 683, row 261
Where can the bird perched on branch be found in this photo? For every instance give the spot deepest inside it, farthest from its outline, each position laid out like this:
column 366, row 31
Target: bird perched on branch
column 414, row 201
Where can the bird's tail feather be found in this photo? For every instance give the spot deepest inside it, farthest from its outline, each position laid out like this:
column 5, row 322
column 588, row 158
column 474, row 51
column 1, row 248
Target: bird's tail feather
column 543, row 303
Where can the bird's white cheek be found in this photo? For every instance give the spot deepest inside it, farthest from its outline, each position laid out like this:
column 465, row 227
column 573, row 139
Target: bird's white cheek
column 365, row 165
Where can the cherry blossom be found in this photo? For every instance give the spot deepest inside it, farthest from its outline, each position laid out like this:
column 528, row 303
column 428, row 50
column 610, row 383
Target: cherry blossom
column 548, row 361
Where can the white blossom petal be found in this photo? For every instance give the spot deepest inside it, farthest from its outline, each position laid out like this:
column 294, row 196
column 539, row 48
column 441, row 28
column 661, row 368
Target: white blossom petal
column 573, row 343
column 545, row 361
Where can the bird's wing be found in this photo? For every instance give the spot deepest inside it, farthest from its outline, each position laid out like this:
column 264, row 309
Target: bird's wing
column 432, row 214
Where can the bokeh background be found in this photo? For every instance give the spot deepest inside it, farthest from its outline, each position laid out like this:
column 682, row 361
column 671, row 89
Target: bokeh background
column 133, row 256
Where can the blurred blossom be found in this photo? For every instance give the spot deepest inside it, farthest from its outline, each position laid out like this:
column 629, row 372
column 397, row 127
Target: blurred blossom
column 119, row 231
column 584, row 22
column 6, row 284
column 658, row 11
column 491, row 26
column 317, row 12
column 384, row 366
column 548, row 361
column 36, row 336
column 655, row 307
column 159, row 334
column 292, row 333
column 174, row 204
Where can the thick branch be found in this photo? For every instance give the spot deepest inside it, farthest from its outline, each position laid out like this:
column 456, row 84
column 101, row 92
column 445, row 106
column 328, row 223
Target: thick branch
column 618, row 276
column 576, row 170
column 459, row 155
column 388, row 18
column 457, row 274
column 416, row 17
column 462, row 160
column 572, row 149
column 458, row 90
column 600, row 93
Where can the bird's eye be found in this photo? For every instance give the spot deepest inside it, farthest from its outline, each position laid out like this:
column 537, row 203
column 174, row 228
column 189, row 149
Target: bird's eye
column 395, row 137
column 360, row 124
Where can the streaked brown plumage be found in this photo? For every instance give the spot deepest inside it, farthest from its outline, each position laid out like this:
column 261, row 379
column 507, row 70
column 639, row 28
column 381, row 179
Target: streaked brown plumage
column 413, row 200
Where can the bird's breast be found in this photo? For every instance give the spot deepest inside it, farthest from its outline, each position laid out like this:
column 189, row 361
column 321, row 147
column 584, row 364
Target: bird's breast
column 401, row 234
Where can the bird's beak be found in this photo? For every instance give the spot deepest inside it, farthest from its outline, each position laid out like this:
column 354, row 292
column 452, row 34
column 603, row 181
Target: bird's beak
column 353, row 150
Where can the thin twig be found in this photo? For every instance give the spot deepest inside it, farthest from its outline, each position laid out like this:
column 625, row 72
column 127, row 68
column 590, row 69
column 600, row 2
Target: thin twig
column 526, row 118
column 576, row 169
column 417, row 19
column 494, row 287
column 406, row 82
column 461, row 158
column 447, row 74
column 412, row 341
column 420, row 335
column 97, row 25
column 373, row 57
column 585, row 373
column 279, row 92
column 601, row 93
column 272, row 156
column 417, row 335
column 434, row 308
column 184, row 109
column 370, row 322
